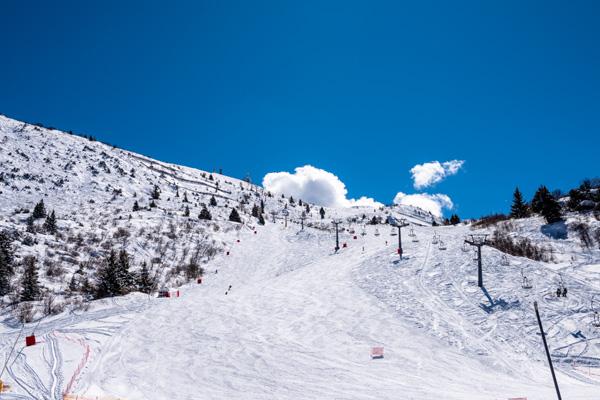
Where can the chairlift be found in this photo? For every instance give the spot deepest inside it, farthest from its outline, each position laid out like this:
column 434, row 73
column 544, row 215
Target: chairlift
column 415, row 239
column 504, row 260
column 442, row 245
column 376, row 232
column 465, row 247
column 411, row 233
column 595, row 315
column 435, row 238
column 364, row 231
column 526, row 283
column 393, row 232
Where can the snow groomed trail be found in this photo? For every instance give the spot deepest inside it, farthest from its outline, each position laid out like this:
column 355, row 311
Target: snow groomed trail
column 299, row 323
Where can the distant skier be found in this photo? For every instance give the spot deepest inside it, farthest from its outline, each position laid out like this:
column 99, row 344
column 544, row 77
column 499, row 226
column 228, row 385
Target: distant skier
column 558, row 292
column 564, row 292
column 228, row 290
column 216, row 271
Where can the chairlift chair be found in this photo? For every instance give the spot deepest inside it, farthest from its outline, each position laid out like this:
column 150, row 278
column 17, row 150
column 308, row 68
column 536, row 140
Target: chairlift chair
column 435, row 239
column 465, row 247
column 411, row 232
column 596, row 320
column 442, row 245
column 415, row 239
column 376, row 232
column 526, row 284
column 504, row 260
column 393, row 232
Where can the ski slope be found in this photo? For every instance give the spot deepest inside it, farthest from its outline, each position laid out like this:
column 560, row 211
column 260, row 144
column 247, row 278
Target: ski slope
column 299, row 323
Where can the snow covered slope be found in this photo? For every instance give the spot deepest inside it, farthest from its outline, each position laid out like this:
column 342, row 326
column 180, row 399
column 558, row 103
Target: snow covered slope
column 282, row 316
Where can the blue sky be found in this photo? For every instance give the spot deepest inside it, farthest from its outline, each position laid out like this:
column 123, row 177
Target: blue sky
column 365, row 90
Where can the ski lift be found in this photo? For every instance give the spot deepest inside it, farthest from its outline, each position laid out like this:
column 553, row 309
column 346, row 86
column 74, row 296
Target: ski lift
column 393, row 232
column 415, row 239
column 376, row 232
column 595, row 315
column 465, row 247
column 442, row 245
column 411, row 233
column 562, row 289
column 504, row 260
column 364, row 231
column 435, row 238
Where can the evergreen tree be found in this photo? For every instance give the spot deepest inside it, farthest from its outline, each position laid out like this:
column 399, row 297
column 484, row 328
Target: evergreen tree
column 186, row 211
column 30, row 285
column 125, row 278
column 39, row 211
column 156, row 193
column 205, row 214
column 322, row 212
column 454, row 219
column 519, row 208
column 300, row 202
column 152, row 204
column 177, row 191
column 145, row 282
column 261, row 219
column 136, row 206
column 6, row 263
column 50, row 223
column 185, row 199
column 551, row 210
column 30, row 225
column 73, row 284
column 292, row 200
column 210, row 178
column 255, row 211
column 537, row 202
column 234, row 216
column 307, row 208
column 213, row 201
column 106, row 278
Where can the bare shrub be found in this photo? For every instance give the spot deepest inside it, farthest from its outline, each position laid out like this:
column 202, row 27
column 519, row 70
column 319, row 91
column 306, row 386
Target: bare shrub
column 522, row 247
column 583, row 232
column 489, row 220
column 51, row 306
column 25, row 312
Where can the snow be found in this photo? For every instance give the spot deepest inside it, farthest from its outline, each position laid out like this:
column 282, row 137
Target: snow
column 299, row 321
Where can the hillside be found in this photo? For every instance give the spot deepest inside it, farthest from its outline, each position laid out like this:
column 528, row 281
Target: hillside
column 279, row 314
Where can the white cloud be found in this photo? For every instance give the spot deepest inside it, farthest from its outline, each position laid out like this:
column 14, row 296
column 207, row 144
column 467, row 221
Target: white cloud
column 315, row 186
column 430, row 173
column 433, row 203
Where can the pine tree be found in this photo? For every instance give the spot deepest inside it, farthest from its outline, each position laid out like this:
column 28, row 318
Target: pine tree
column 185, row 199
column 210, row 178
column 234, row 216
column 50, row 223
column 136, row 206
column 454, row 219
column 30, row 224
column 106, row 278
column 39, row 211
column 205, row 214
column 537, row 202
column 322, row 212
column 307, row 208
column 519, row 208
column 544, row 203
column 213, row 201
column 186, row 211
column 551, row 210
column 73, row 284
column 125, row 278
column 255, row 211
column 300, row 203
column 30, row 285
column 6, row 263
column 292, row 200
column 262, row 206
column 156, row 192
column 261, row 219
column 145, row 282
column 152, row 204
